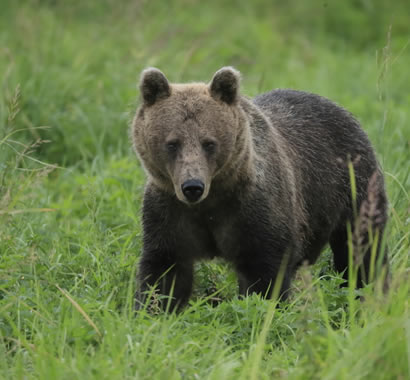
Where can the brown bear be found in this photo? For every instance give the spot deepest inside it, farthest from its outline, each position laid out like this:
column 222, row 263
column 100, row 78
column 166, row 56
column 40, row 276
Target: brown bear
column 263, row 183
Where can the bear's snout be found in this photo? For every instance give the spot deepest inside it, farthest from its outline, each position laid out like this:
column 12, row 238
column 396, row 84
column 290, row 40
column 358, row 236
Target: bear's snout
column 193, row 189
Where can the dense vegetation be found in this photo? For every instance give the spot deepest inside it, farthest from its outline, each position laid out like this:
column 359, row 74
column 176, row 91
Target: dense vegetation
column 71, row 188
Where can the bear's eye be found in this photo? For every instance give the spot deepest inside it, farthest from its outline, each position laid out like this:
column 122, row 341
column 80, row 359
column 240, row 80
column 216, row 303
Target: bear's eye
column 172, row 146
column 209, row 146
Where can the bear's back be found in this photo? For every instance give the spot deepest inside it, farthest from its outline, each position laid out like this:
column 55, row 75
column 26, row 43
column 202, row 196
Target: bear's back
column 319, row 132
column 320, row 138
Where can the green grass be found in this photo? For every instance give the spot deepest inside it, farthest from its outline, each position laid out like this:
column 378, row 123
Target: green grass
column 71, row 189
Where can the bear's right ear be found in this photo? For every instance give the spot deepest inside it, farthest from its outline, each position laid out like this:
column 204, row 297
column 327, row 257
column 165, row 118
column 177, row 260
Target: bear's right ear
column 153, row 86
column 225, row 85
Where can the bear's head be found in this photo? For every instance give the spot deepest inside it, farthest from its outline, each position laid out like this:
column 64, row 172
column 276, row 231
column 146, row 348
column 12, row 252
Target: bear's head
column 189, row 135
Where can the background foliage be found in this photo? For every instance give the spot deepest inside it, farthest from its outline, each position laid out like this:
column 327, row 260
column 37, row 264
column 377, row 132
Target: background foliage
column 70, row 188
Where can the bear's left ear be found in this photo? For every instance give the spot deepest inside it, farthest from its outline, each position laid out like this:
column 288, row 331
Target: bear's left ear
column 153, row 86
column 225, row 85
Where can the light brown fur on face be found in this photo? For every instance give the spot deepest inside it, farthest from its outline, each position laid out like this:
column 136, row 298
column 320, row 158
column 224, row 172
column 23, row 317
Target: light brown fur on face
column 187, row 135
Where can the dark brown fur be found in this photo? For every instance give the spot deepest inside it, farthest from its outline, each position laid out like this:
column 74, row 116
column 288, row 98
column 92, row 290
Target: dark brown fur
column 275, row 175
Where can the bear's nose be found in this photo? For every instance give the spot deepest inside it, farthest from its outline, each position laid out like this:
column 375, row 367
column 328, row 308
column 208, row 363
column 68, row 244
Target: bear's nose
column 193, row 189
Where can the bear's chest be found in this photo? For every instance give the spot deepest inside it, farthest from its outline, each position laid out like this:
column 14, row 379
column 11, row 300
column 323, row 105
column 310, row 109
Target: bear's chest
column 209, row 234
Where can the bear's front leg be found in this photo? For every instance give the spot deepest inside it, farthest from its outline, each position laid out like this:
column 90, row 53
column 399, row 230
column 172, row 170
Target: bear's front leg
column 261, row 277
column 163, row 269
column 160, row 274
column 265, row 260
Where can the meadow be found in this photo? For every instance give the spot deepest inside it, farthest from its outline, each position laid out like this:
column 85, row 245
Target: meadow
column 71, row 189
